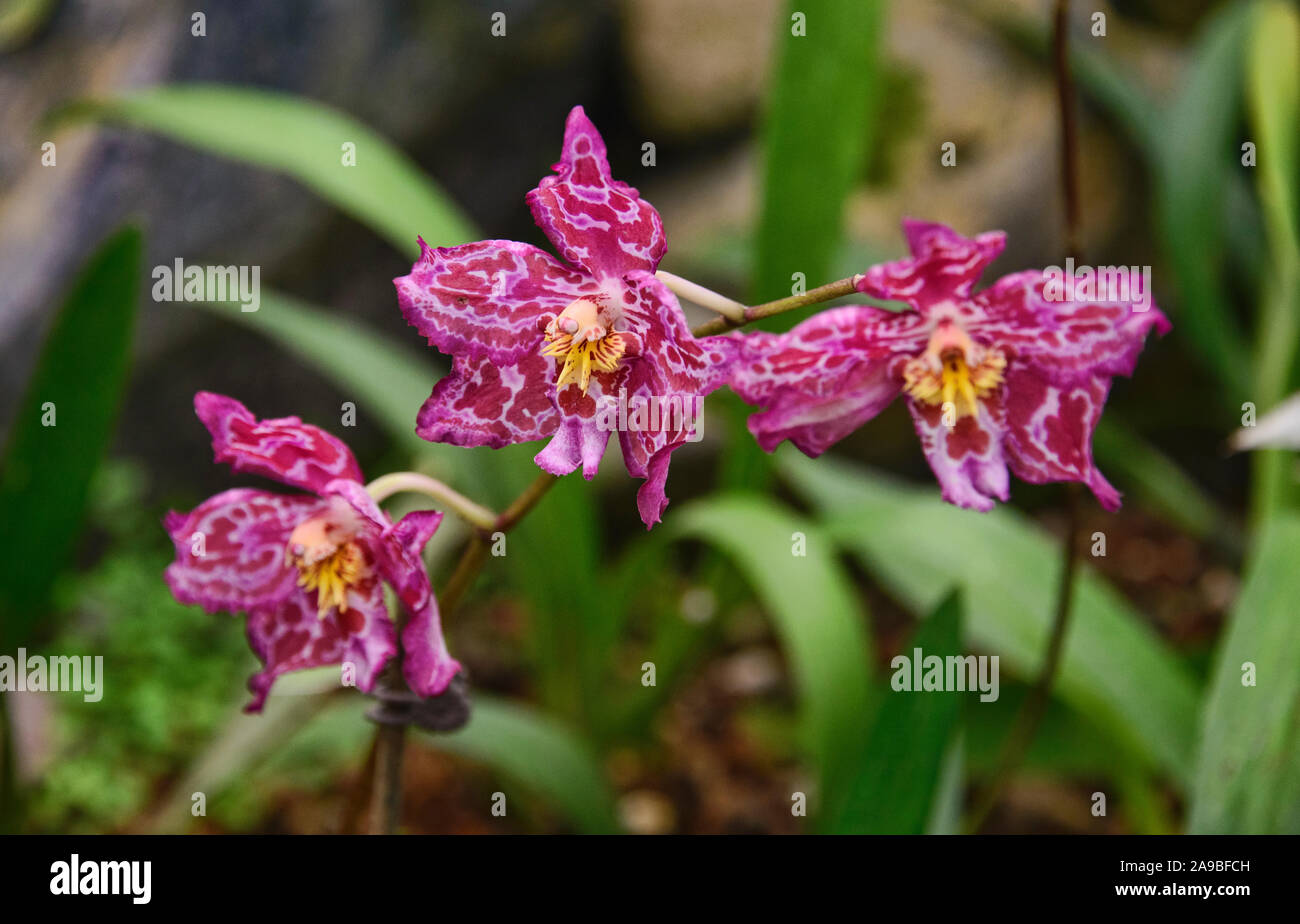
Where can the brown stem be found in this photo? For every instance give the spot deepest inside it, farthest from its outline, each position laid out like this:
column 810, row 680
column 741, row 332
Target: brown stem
column 1035, row 705
column 1069, row 129
column 720, row 325
column 1036, row 702
column 525, row 502
column 390, row 740
column 386, row 797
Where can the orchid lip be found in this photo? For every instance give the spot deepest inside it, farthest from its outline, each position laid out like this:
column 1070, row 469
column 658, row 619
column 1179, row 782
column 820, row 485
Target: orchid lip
column 585, row 340
column 328, row 559
column 954, row 371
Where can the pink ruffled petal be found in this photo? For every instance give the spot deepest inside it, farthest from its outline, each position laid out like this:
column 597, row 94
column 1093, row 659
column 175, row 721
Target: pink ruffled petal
column 428, row 666
column 593, row 220
column 826, row 377
column 578, row 441
column 1049, row 431
column 943, row 267
column 284, row 448
column 1066, row 341
column 484, row 300
column 967, row 458
column 483, row 403
column 291, row 637
column 242, row 535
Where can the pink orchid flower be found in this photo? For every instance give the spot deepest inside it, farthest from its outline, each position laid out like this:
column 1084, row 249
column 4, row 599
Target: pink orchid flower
column 308, row 569
column 1013, row 375
column 545, row 348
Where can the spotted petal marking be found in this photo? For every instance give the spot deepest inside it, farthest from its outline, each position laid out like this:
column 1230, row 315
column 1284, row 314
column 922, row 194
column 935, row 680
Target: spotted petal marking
column 825, row 378
column 482, row 403
column 242, row 535
column 428, row 665
column 285, row 449
column 966, row 458
column 289, row 636
column 1049, row 431
column 1065, row 340
column 484, row 300
column 595, row 221
column 944, row 266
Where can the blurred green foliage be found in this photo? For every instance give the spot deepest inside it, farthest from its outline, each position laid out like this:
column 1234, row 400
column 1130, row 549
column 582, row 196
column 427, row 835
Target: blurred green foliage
column 1127, row 707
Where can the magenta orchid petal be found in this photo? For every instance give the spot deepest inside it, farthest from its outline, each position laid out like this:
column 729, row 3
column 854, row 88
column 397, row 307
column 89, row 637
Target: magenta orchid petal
column 595, row 222
column 966, row 458
column 308, row 569
column 578, row 441
column 285, row 449
column 428, row 665
column 531, row 369
column 230, row 550
column 483, row 300
column 292, row 636
column 483, row 403
column 826, row 377
column 1066, row 340
column 1011, row 378
column 1049, row 431
column 944, row 265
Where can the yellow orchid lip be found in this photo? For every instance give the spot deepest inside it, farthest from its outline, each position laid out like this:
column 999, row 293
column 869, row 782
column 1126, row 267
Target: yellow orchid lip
column 328, row 562
column 585, row 342
column 954, row 371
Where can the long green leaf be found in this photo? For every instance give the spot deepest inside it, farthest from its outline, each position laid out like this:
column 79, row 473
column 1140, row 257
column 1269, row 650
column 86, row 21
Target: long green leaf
column 1248, row 770
column 386, row 379
column 1158, row 481
column 1114, row 669
column 820, row 121
column 62, row 430
column 304, row 139
column 1198, row 151
column 817, row 617
column 1273, row 89
column 539, row 754
column 895, row 779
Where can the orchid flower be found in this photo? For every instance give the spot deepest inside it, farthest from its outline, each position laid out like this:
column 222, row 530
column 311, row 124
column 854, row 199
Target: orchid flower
column 545, row 348
column 309, row 569
column 1014, row 375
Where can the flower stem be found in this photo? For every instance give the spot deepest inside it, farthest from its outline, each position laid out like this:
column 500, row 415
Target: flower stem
column 1035, row 705
column 705, row 298
column 525, row 502
column 473, row 513
column 824, row 293
column 386, row 796
column 390, row 740
column 1069, row 128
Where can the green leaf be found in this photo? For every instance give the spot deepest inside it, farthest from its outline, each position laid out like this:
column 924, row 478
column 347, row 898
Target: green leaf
column 1273, row 89
column 385, row 378
column 1114, row 668
column 303, row 139
column 1158, row 481
column 541, row 755
column 1199, row 148
column 819, row 124
column 811, row 601
column 77, row 385
column 1248, row 771
column 896, row 778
